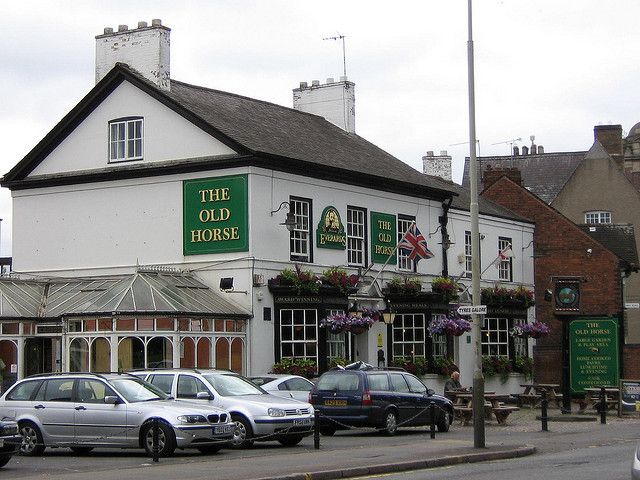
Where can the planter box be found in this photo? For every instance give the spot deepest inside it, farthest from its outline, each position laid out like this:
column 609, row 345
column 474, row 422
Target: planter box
column 434, row 381
column 512, row 385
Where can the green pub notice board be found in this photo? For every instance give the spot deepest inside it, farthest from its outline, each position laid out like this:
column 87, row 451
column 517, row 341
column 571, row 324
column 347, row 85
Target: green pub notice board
column 383, row 237
column 594, row 353
column 215, row 215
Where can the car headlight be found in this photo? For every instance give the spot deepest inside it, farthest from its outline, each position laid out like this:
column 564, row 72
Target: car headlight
column 276, row 412
column 192, row 419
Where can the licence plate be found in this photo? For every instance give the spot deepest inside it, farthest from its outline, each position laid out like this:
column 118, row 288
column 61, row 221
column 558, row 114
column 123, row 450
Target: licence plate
column 334, row 402
column 302, row 421
column 223, row 429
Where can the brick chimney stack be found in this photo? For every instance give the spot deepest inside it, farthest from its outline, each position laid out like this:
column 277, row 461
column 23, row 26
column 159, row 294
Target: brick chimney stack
column 492, row 175
column 145, row 49
column 610, row 136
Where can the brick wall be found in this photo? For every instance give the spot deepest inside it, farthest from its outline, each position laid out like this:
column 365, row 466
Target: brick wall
column 560, row 249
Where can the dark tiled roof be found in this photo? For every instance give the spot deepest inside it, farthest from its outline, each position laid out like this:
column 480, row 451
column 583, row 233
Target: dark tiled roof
column 618, row 238
column 543, row 174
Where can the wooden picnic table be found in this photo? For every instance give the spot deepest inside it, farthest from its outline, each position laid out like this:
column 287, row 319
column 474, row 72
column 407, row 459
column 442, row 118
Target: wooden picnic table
column 532, row 394
column 493, row 404
column 592, row 397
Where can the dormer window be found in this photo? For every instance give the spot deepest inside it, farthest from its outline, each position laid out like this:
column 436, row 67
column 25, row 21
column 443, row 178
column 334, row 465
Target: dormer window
column 125, row 139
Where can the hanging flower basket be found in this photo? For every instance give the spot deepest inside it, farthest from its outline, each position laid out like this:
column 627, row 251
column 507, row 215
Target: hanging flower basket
column 356, row 324
column 533, row 330
column 447, row 287
column 451, row 325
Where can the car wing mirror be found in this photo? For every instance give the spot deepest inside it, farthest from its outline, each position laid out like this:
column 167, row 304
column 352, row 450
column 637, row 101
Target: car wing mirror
column 204, row 396
column 430, row 391
column 111, row 399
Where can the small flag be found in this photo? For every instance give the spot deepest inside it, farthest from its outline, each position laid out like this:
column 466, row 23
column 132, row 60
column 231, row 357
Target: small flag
column 505, row 254
column 414, row 245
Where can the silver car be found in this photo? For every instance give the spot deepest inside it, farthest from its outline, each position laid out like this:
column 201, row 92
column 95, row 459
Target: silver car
column 635, row 464
column 258, row 415
column 84, row 410
column 286, row 386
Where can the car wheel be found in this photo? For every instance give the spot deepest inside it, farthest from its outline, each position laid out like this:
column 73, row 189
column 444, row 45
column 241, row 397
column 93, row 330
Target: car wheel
column 328, row 431
column 444, row 422
column 210, row 449
column 81, row 450
column 290, row 440
column 4, row 460
column 32, row 443
column 391, row 423
column 242, row 434
column 166, row 441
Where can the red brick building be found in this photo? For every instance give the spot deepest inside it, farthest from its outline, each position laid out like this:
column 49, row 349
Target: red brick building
column 563, row 251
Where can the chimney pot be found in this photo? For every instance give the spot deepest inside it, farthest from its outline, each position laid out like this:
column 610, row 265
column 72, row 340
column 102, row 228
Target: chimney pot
column 525, row 150
column 330, row 80
column 534, row 149
column 108, row 30
column 142, row 24
column 315, row 83
column 516, row 150
column 343, row 78
column 540, row 149
column 430, row 153
column 156, row 22
column 443, row 153
column 303, row 85
column 123, row 28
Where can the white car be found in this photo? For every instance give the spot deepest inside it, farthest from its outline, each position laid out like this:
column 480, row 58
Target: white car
column 82, row 411
column 286, row 386
column 635, row 465
column 258, row 415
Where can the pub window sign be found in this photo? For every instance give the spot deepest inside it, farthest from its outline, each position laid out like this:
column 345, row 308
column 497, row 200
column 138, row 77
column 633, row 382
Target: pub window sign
column 567, row 295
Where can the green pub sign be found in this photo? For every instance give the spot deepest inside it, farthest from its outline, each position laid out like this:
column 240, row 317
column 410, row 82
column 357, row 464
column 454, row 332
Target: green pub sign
column 383, row 237
column 215, row 215
column 330, row 231
column 594, row 358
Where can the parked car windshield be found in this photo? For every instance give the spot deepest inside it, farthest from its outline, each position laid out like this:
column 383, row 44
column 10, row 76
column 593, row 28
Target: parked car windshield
column 233, row 385
column 135, row 390
column 339, row 382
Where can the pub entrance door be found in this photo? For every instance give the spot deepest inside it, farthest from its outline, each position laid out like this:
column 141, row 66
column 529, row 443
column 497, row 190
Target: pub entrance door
column 42, row 355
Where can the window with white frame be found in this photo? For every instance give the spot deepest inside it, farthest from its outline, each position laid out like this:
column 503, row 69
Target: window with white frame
column 495, row 337
column 404, row 263
column 299, row 333
column 597, row 217
column 300, row 237
column 356, row 236
column 336, row 342
column 438, row 341
column 505, row 265
column 125, row 139
column 467, row 253
column 408, row 335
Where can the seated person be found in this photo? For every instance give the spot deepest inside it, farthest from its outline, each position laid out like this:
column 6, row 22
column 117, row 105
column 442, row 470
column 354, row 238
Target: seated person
column 453, row 385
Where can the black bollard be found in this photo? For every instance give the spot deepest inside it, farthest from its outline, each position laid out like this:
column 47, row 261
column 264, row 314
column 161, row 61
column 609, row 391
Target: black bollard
column 316, row 429
column 543, row 410
column 603, row 406
column 432, row 413
column 155, row 440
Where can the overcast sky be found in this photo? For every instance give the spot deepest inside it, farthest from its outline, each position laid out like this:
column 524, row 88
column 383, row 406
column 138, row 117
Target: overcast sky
column 548, row 68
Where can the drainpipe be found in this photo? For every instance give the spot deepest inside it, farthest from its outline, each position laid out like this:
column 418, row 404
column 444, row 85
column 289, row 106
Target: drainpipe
column 444, row 220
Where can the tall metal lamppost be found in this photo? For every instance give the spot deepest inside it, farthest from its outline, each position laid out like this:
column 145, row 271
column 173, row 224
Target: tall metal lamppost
column 478, row 378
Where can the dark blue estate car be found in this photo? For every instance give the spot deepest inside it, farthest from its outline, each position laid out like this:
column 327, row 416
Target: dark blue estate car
column 364, row 396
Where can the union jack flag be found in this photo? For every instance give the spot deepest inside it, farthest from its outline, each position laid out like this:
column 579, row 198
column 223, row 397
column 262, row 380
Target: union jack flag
column 414, row 245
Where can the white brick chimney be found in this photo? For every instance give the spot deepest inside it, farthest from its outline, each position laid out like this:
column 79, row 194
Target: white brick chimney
column 335, row 101
column 145, row 49
column 437, row 165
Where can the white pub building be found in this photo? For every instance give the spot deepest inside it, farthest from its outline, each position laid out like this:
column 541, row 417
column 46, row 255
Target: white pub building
column 152, row 224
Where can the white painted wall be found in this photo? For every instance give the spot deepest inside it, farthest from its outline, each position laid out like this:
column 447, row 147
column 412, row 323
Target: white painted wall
column 167, row 136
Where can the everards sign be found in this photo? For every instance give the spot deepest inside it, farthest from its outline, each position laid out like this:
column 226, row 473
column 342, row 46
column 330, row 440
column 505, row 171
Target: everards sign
column 215, row 218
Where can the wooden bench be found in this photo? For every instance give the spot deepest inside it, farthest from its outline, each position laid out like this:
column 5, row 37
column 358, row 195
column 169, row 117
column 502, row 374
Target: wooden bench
column 464, row 414
column 530, row 399
column 502, row 413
